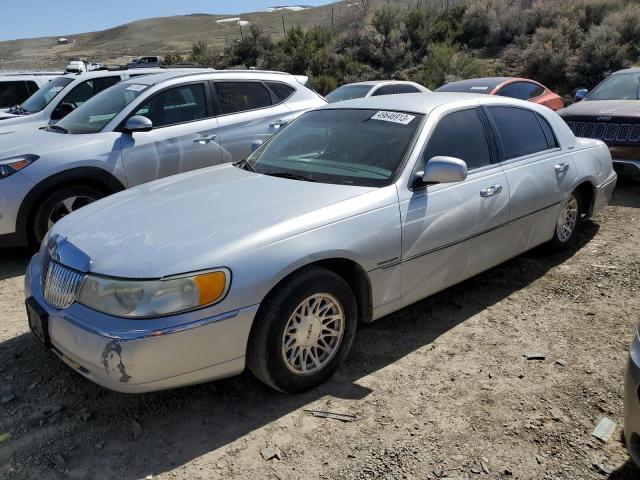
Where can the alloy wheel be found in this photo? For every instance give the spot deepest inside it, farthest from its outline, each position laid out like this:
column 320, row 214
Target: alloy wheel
column 568, row 219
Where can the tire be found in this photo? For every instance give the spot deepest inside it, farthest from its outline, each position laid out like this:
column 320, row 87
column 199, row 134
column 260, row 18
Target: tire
column 55, row 205
column 268, row 340
column 562, row 238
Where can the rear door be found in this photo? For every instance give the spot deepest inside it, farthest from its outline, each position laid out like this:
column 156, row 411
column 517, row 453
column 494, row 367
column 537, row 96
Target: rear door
column 452, row 231
column 184, row 135
column 539, row 175
column 248, row 114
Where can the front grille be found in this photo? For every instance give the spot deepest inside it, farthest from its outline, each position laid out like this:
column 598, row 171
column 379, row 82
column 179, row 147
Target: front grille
column 612, row 133
column 60, row 284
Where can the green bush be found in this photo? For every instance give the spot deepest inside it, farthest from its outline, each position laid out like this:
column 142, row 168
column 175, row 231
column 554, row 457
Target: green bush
column 600, row 54
column 446, row 62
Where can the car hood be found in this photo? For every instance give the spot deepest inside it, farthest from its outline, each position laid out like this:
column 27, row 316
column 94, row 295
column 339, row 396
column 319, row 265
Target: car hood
column 605, row 108
column 35, row 141
column 199, row 219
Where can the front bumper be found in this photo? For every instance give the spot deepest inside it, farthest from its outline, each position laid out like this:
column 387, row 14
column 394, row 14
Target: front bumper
column 632, row 401
column 135, row 356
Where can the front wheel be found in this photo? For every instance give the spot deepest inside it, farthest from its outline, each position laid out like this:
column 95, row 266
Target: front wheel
column 568, row 223
column 59, row 204
column 303, row 332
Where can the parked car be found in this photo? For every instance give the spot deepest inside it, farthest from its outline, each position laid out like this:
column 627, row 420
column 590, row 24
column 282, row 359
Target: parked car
column 145, row 62
column 632, row 400
column 61, row 96
column 521, row 88
column 352, row 212
column 139, row 130
column 76, row 66
column 16, row 88
column 611, row 113
column 373, row 89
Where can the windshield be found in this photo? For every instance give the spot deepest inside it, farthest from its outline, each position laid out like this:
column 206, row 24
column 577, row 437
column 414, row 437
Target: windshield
column 621, row 86
column 347, row 92
column 43, row 97
column 95, row 113
column 353, row 147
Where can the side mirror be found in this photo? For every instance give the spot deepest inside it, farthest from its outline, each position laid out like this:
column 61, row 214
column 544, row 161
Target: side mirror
column 61, row 111
column 138, row 123
column 581, row 93
column 442, row 169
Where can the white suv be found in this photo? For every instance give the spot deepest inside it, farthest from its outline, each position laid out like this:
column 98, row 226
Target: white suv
column 62, row 95
column 137, row 131
column 16, row 88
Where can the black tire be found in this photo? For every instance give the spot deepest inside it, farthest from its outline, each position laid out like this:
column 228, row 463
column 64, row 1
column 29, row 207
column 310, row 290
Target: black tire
column 265, row 349
column 44, row 211
column 560, row 242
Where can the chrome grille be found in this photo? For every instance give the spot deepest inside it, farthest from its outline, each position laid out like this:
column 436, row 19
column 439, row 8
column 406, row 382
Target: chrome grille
column 610, row 132
column 60, row 285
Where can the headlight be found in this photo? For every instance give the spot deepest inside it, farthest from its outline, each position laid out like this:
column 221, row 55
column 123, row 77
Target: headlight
column 9, row 166
column 154, row 298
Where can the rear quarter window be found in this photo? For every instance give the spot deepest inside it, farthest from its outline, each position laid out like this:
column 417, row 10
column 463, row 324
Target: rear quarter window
column 519, row 130
column 280, row 91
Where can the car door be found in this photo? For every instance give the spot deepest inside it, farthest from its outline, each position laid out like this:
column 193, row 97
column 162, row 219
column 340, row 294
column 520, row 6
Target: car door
column 248, row 114
column 539, row 174
column 455, row 230
column 183, row 138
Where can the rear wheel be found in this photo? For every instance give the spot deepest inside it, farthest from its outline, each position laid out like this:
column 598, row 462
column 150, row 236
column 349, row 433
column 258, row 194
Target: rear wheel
column 303, row 332
column 58, row 204
column 568, row 223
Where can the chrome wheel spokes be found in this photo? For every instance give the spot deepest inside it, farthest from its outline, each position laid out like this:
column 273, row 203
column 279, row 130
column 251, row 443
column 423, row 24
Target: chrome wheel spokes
column 313, row 334
column 568, row 219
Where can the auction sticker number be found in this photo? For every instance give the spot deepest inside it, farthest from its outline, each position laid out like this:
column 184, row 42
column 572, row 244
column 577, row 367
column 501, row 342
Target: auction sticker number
column 394, row 117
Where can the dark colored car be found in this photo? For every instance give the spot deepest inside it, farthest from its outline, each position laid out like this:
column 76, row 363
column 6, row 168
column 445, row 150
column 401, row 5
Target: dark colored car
column 521, row 88
column 611, row 113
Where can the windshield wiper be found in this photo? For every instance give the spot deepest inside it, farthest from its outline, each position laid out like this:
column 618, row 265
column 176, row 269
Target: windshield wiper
column 244, row 165
column 19, row 110
column 292, row 176
column 56, row 127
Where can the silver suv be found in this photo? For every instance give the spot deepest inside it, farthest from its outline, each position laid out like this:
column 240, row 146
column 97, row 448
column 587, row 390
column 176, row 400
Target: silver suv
column 137, row 131
column 63, row 94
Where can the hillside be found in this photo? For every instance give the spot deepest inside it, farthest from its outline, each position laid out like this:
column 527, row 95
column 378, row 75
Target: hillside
column 159, row 36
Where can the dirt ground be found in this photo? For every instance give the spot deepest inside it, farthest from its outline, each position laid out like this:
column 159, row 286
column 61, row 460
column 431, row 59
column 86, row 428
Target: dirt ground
column 439, row 390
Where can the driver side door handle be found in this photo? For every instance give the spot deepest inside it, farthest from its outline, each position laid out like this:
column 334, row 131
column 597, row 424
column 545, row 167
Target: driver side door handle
column 204, row 140
column 561, row 167
column 491, row 190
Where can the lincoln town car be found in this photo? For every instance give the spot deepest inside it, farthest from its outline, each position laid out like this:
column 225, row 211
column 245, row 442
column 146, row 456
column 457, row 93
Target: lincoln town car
column 353, row 211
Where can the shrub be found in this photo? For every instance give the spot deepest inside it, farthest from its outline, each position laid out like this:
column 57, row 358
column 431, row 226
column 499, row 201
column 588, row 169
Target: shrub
column 446, row 62
column 172, row 58
column 627, row 23
column 600, row 54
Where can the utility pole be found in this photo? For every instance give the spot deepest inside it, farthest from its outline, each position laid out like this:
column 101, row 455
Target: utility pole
column 241, row 34
column 333, row 27
column 284, row 28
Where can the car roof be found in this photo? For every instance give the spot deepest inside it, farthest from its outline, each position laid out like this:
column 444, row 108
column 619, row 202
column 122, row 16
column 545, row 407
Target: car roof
column 487, row 84
column 157, row 78
column 422, row 103
column 27, row 76
column 628, row 70
column 377, row 82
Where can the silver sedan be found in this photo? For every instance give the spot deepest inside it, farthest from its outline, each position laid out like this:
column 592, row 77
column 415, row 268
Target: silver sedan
column 352, row 212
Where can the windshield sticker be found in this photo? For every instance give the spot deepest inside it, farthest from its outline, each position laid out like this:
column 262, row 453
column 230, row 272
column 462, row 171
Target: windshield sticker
column 137, row 88
column 394, row 117
column 480, row 88
column 57, row 89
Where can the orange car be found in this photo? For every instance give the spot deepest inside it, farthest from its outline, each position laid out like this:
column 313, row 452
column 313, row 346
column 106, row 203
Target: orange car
column 521, row 88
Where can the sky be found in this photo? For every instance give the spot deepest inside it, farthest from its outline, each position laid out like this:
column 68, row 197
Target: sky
column 44, row 18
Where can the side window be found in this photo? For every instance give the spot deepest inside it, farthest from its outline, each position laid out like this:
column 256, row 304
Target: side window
column 404, row 88
column 235, row 97
column 12, row 93
column 521, row 90
column 384, row 90
column 532, row 90
column 185, row 103
column 552, row 141
column 32, row 87
column 87, row 89
column 520, row 131
column 281, row 91
column 460, row 135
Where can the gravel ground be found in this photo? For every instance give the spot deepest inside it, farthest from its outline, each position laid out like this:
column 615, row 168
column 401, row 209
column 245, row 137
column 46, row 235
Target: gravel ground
column 438, row 390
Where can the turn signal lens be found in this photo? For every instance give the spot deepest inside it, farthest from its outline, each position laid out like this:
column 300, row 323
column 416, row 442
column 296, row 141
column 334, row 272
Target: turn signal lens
column 9, row 166
column 210, row 286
